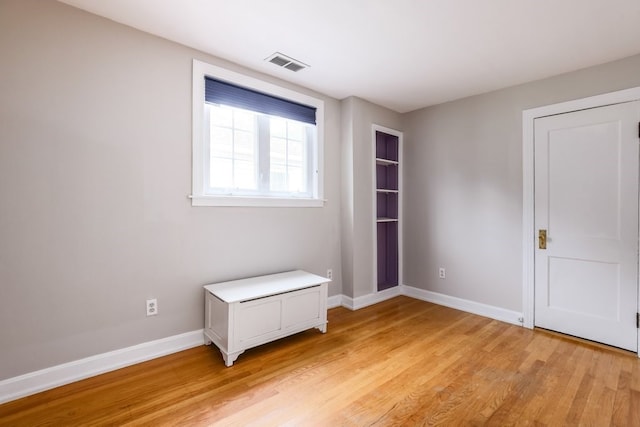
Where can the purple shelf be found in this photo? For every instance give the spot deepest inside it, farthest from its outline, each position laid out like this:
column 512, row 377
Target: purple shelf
column 387, row 186
column 386, row 146
column 387, row 205
column 387, row 177
column 387, row 255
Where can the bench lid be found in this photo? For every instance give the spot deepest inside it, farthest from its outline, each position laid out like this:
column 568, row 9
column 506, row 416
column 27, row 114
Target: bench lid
column 263, row 286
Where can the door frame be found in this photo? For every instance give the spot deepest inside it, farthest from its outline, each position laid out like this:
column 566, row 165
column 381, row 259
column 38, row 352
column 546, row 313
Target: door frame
column 528, row 169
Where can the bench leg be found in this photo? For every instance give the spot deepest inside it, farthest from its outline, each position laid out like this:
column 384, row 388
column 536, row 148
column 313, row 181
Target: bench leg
column 229, row 358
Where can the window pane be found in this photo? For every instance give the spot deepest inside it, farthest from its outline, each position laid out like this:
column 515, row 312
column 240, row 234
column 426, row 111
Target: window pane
column 244, row 175
column 221, row 116
column 243, row 147
column 221, row 172
column 278, row 127
column 287, row 159
column 221, row 142
column 278, row 150
column 296, row 153
column 295, row 130
column 278, row 177
column 244, row 120
column 233, row 150
column 296, row 180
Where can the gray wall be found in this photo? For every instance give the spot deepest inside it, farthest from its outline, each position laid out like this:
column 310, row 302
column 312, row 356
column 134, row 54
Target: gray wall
column 95, row 169
column 358, row 215
column 463, row 184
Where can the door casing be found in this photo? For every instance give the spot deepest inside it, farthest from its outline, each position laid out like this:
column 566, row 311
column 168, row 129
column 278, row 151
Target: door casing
column 529, row 237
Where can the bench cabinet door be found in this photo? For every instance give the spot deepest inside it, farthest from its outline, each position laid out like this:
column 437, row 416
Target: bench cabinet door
column 302, row 309
column 258, row 321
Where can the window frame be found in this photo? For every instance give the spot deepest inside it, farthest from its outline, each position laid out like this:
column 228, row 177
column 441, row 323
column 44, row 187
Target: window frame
column 200, row 148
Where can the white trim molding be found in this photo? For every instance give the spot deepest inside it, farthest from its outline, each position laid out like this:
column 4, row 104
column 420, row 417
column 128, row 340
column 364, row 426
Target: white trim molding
column 490, row 311
column 55, row 376
column 528, row 168
column 485, row 310
column 370, row 299
column 334, row 301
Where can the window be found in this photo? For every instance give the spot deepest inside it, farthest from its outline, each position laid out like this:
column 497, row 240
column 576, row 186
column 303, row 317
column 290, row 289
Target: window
column 254, row 143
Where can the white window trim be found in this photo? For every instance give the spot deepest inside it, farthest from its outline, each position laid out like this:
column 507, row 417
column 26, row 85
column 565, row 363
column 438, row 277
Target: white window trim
column 198, row 196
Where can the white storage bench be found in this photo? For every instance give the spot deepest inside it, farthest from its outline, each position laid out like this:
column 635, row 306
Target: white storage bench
column 245, row 313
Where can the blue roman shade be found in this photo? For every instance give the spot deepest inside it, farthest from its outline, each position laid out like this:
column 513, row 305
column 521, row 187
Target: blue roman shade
column 220, row 92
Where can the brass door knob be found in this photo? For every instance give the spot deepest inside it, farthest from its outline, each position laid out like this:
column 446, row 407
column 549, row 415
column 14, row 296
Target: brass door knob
column 542, row 239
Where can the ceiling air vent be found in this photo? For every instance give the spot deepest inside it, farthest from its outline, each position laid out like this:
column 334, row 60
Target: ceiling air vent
column 287, row 62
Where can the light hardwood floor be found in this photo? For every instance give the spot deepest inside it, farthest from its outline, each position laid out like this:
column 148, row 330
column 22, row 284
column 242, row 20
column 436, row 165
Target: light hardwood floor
column 401, row 362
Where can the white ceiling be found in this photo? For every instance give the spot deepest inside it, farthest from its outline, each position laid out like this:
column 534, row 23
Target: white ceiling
column 402, row 54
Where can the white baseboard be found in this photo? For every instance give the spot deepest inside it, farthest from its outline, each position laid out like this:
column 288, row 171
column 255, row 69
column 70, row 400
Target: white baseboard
column 55, row 376
column 461, row 304
column 469, row 306
column 334, row 301
column 370, row 299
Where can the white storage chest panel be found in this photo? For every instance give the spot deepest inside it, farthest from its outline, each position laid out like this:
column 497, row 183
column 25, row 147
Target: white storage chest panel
column 241, row 314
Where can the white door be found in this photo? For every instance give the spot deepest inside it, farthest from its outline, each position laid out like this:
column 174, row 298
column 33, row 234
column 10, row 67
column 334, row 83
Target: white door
column 586, row 199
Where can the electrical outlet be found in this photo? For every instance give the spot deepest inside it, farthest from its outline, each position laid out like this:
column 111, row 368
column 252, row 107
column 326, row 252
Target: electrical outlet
column 330, row 274
column 152, row 307
column 442, row 273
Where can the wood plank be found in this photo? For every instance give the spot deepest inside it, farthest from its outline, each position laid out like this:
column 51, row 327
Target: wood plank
column 400, row 362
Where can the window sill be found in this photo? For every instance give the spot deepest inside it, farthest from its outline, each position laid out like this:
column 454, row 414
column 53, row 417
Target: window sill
column 255, row 201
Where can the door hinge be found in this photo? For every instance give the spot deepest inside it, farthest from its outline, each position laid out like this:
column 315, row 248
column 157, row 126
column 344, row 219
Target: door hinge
column 637, row 320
